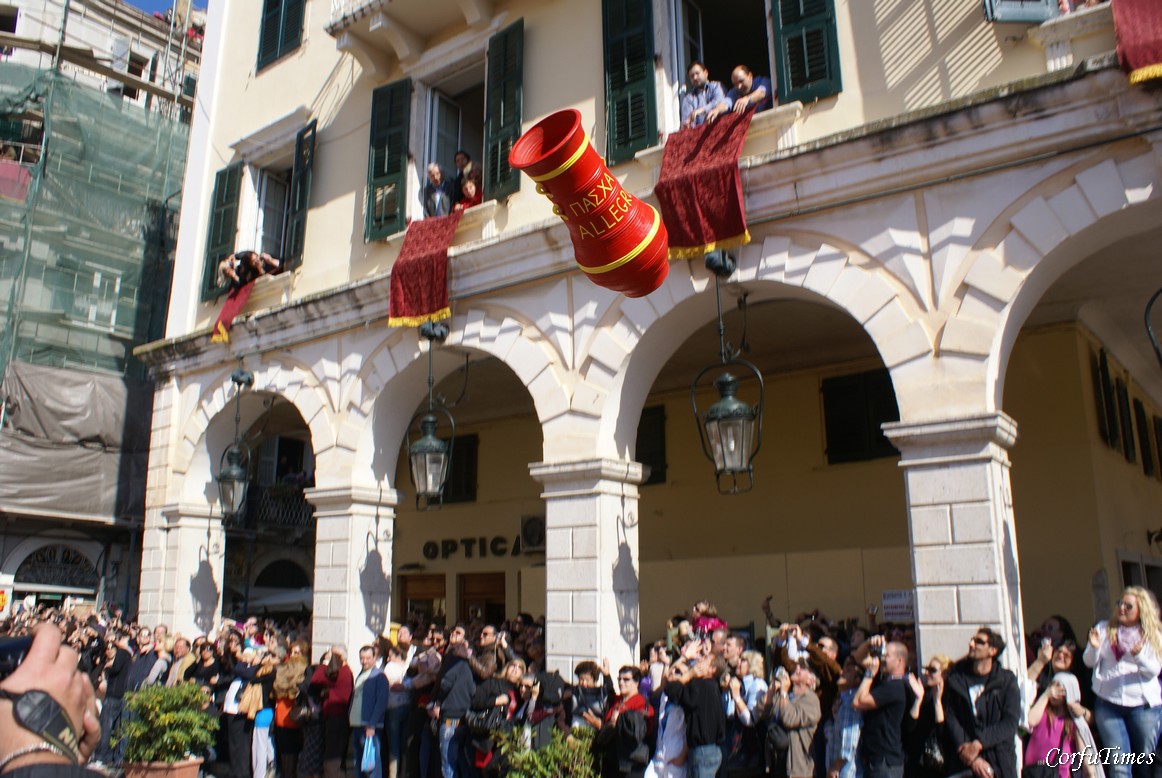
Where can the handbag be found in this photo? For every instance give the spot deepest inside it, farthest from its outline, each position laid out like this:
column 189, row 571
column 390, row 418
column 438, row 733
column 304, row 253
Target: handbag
column 305, row 710
column 932, row 758
column 482, row 722
column 251, row 701
column 367, row 763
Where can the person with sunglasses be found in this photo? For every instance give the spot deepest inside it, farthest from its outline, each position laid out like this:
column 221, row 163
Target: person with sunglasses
column 621, row 740
column 923, row 754
column 1124, row 654
column 982, row 705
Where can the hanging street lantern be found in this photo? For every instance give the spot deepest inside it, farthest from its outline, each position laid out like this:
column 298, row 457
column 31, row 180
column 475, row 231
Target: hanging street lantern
column 429, row 456
column 233, row 471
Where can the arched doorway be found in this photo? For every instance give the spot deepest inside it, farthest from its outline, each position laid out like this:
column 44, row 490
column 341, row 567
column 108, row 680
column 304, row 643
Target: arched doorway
column 56, row 571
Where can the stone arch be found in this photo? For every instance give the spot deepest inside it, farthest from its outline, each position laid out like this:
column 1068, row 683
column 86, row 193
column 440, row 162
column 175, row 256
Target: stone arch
column 209, row 426
column 1043, row 234
column 90, row 549
column 395, row 373
column 647, row 330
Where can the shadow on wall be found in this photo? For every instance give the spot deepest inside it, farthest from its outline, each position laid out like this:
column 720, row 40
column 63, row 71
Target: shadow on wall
column 375, row 584
column 204, row 593
column 927, row 53
column 625, row 584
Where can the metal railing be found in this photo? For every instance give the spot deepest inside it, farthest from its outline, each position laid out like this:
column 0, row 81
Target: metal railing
column 278, row 507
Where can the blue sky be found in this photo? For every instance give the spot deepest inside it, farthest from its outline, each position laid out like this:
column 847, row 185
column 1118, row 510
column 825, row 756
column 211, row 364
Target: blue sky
column 153, row 5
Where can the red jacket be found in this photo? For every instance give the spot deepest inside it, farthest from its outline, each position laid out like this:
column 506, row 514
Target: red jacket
column 338, row 690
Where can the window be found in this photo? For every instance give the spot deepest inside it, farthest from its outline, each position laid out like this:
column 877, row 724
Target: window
column 1141, row 570
column 1158, row 440
column 223, row 225
column 651, row 443
column 91, row 296
column 1127, row 423
column 807, row 50
column 1144, row 446
column 1028, row 11
column 720, row 36
column 281, row 29
column 630, row 105
column 387, row 159
column 854, row 408
column 503, row 117
column 461, row 484
column 8, row 18
column 275, row 205
column 1099, row 400
column 1111, row 408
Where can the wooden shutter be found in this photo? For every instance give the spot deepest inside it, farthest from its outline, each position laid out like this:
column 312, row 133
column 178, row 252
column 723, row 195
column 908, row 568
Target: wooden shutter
column 280, row 29
column 503, row 114
column 223, row 225
column 630, row 105
column 387, row 159
column 300, row 194
column 1025, row 11
column 807, row 50
column 268, row 32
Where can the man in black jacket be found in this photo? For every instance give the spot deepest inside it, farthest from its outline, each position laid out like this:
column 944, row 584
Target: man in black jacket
column 699, row 694
column 982, row 705
column 453, row 697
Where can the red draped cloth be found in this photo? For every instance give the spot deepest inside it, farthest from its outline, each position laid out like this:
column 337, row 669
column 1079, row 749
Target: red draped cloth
column 1138, row 25
column 419, row 279
column 235, row 302
column 700, row 189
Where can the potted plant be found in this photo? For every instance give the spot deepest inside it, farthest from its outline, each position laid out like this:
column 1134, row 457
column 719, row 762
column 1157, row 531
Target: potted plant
column 166, row 730
column 561, row 756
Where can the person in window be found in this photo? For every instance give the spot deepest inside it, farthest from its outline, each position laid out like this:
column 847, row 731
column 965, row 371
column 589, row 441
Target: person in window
column 469, row 195
column 750, row 91
column 705, row 101
column 242, row 267
column 437, row 193
column 466, row 170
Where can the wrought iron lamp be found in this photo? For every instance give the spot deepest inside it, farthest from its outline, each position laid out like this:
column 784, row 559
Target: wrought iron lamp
column 731, row 431
column 430, row 457
column 233, row 468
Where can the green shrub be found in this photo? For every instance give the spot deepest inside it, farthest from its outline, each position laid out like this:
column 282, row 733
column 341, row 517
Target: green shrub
column 562, row 756
column 166, row 724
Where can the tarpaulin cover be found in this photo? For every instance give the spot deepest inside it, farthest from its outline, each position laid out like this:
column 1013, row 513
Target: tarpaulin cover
column 70, row 446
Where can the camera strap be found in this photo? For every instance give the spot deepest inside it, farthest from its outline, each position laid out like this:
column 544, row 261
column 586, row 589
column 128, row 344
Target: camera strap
column 39, row 713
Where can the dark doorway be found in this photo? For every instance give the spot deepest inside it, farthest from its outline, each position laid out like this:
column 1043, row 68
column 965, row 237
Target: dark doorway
column 482, row 597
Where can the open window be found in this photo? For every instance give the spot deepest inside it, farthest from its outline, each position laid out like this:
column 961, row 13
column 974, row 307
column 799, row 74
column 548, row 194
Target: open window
column 1024, row 11
column 273, row 197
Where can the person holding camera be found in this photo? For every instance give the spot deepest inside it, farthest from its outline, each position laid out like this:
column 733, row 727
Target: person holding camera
column 882, row 699
column 696, row 688
column 334, row 682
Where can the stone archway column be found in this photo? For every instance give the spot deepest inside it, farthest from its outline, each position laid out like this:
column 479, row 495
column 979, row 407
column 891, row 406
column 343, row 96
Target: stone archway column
column 963, row 540
column 183, row 570
column 354, row 537
column 591, row 561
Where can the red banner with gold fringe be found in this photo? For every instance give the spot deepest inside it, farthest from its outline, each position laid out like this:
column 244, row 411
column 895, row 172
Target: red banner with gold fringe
column 419, row 279
column 1138, row 26
column 699, row 189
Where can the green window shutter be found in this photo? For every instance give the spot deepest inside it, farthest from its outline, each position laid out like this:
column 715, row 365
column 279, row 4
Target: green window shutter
column 387, row 159
column 630, row 105
column 300, row 194
column 807, row 50
column 291, row 34
column 503, row 114
column 280, row 29
column 269, row 29
column 223, row 225
column 1025, row 11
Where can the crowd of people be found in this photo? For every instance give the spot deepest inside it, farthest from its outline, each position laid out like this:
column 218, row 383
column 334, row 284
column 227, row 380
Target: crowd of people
column 810, row 698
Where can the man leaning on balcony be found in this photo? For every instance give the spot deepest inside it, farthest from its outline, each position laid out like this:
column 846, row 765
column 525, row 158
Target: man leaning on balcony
column 705, row 101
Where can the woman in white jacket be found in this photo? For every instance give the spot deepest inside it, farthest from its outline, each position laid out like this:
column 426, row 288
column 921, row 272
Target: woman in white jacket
column 1126, row 656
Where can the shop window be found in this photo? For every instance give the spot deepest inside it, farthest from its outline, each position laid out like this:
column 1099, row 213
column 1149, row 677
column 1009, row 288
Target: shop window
column 461, row 485
column 630, row 104
column 281, row 29
column 1126, row 421
column 1145, row 447
column 423, row 598
column 651, row 443
column 854, row 408
column 1025, row 11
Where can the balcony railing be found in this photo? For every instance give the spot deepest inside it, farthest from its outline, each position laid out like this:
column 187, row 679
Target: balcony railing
column 276, row 508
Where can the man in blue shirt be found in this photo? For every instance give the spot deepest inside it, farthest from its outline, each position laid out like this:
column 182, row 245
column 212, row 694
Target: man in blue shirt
column 705, row 101
column 750, row 90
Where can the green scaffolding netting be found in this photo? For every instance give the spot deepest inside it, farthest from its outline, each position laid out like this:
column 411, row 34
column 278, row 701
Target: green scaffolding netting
column 87, row 228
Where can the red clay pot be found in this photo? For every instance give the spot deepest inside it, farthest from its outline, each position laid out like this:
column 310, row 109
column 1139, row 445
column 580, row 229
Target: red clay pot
column 619, row 241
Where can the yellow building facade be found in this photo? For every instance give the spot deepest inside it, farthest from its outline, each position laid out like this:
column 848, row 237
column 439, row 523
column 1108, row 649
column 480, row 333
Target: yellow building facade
column 951, row 214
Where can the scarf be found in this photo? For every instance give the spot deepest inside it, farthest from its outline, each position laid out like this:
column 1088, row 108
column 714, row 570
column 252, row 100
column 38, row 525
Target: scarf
column 1125, row 639
column 1069, row 682
column 635, row 702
